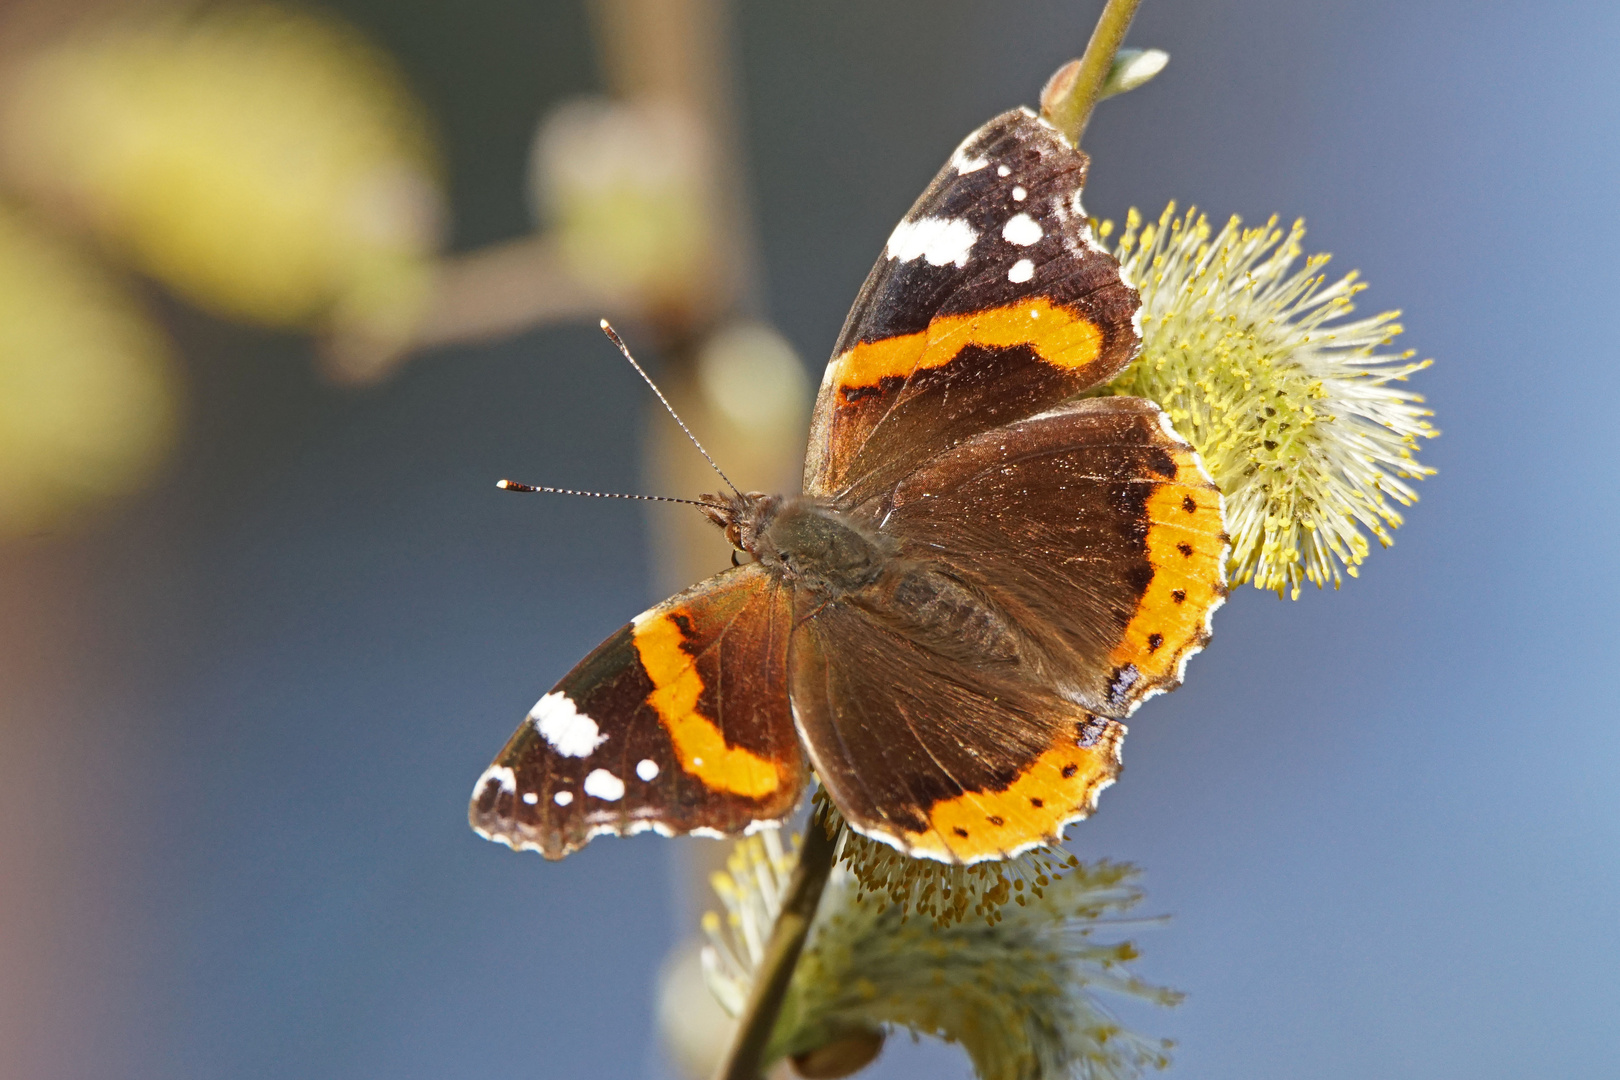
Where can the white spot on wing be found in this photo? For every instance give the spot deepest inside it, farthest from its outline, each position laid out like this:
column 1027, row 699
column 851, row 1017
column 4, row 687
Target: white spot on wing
column 570, row 732
column 647, row 769
column 1021, row 230
column 963, row 162
column 638, row 827
column 938, row 241
column 1089, row 239
column 1019, row 194
column 1002, row 170
column 1021, row 271
column 530, row 797
column 604, row 785
column 563, row 798
column 507, row 779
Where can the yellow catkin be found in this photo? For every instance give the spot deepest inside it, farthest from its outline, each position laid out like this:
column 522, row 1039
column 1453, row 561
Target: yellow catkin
column 1292, row 407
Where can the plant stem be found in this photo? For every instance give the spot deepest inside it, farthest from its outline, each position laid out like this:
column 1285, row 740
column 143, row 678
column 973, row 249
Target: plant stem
column 1070, row 107
column 745, row 1058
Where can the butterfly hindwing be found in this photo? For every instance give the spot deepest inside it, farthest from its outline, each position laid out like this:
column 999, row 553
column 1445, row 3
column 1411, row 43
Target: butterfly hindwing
column 992, row 301
column 946, row 759
column 1095, row 526
column 1043, row 578
column 678, row 723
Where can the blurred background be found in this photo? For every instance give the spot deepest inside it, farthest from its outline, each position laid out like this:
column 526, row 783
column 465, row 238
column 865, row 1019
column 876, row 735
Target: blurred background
column 283, row 291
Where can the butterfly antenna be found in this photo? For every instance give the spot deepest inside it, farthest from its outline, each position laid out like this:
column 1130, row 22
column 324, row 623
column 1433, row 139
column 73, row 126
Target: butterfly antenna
column 513, row 485
column 613, row 336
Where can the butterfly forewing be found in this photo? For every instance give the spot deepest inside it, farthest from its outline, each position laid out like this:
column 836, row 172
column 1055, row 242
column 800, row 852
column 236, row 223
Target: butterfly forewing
column 677, row 723
column 991, row 302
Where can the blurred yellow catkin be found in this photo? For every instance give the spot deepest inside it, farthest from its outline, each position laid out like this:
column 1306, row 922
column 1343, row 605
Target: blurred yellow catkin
column 622, row 187
column 88, row 393
column 266, row 164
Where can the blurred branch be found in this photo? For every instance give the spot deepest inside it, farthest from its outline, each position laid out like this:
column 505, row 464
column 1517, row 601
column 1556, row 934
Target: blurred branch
column 667, row 60
column 678, row 51
column 27, row 24
column 505, row 288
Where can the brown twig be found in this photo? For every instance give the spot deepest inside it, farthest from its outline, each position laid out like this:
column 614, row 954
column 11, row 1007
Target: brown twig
column 745, row 1058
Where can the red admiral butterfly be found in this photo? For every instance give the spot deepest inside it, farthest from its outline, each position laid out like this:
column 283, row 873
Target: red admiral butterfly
column 983, row 576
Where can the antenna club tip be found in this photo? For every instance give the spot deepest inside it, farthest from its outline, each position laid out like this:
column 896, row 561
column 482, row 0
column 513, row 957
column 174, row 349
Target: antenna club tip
column 503, row 484
column 603, row 323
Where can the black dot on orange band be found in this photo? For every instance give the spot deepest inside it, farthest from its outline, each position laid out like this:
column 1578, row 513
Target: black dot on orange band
column 1154, row 641
column 1070, row 769
column 959, row 831
column 1187, row 503
column 997, row 820
column 1036, row 803
column 1185, row 549
column 1179, row 595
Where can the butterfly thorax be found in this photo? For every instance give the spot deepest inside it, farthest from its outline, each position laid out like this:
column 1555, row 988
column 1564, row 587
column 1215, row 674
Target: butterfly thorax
column 802, row 541
column 813, row 546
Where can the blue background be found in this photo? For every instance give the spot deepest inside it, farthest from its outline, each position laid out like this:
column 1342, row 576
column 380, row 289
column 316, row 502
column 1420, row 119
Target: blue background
column 246, row 713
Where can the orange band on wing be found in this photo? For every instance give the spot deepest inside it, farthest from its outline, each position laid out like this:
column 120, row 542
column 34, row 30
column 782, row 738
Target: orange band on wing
column 699, row 744
column 1061, row 786
column 1060, row 336
column 1186, row 545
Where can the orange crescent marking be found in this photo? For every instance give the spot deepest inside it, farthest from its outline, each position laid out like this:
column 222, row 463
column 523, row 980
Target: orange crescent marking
column 1173, row 531
column 1059, row 336
column 978, row 825
column 699, row 745
column 870, row 362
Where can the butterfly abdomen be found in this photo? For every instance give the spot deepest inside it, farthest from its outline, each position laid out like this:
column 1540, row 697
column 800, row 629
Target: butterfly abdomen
column 940, row 613
column 831, row 555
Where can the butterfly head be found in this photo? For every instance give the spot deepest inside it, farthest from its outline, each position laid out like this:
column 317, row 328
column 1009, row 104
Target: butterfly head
column 800, row 540
column 741, row 516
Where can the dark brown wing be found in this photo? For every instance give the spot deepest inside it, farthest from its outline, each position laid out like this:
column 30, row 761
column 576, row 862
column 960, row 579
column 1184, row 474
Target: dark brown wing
column 1094, row 526
column 991, row 302
column 1047, row 576
column 678, row 723
column 942, row 759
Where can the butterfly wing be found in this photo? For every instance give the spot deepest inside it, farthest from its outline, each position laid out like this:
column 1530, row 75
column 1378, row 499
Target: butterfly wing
column 678, row 723
column 1095, row 526
column 1040, row 589
column 991, row 302
column 935, row 756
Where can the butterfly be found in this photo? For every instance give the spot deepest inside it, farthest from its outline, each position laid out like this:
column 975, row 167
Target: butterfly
column 984, row 574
